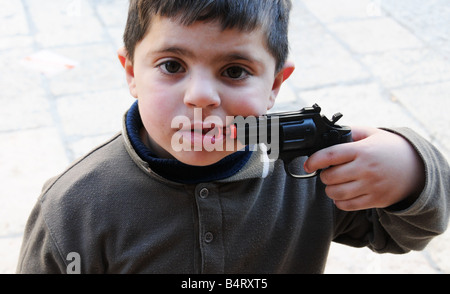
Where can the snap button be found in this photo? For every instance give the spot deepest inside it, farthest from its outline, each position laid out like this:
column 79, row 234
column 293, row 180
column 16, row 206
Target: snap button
column 209, row 237
column 204, row 193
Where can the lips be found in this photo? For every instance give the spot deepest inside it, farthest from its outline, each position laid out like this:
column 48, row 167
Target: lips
column 204, row 133
column 212, row 129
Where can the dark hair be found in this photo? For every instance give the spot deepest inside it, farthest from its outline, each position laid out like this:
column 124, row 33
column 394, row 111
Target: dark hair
column 245, row 15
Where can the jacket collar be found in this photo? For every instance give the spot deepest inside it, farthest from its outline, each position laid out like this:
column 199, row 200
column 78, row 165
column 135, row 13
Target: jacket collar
column 258, row 166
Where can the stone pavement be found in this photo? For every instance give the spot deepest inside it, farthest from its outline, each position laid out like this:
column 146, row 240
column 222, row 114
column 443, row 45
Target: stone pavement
column 381, row 63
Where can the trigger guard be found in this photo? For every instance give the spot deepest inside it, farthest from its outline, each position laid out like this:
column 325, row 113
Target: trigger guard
column 308, row 176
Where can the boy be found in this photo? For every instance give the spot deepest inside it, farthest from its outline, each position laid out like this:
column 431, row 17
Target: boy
column 141, row 204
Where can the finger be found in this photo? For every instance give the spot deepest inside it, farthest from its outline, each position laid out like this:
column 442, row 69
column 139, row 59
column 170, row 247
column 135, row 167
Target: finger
column 359, row 203
column 345, row 191
column 335, row 155
column 339, row 174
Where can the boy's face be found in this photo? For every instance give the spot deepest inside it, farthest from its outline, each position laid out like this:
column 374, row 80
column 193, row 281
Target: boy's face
column 202, row 74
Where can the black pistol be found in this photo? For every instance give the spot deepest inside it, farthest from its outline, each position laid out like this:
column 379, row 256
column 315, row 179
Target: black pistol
column 292, row 134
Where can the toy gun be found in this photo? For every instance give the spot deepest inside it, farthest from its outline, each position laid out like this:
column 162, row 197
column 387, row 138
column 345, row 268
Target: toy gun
column 292, row 134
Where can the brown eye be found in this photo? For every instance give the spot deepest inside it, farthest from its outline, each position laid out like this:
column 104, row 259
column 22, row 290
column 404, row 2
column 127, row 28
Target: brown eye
column 235, row 72
column 172, row 67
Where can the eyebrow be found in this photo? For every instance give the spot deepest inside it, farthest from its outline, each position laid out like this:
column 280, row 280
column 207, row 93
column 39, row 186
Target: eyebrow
column 238, row 56
column 233, row 56
column 175, row 50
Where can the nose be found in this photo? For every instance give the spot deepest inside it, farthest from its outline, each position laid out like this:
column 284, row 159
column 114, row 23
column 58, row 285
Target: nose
column 202, row 91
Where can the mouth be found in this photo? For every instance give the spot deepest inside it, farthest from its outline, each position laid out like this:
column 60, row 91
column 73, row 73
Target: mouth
column 211, row 129
column 204, row 133
column 211, row 133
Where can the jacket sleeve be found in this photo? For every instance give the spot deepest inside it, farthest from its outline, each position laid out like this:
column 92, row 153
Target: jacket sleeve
column 39, row 254
column 388, row 230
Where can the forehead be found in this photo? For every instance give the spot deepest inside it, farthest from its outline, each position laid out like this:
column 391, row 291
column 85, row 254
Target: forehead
column 204, row 38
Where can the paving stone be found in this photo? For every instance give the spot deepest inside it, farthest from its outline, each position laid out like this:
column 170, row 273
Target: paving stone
column 321, row 61
column 98, row 69
column 15, row 42
column 86, row 144
column 113, row 13
column 438, row 252
column 27, row 160
column 301, row 17
column 93, row 114
column 23, row 98
column 331, row 11
column 374, row 35
column 10, row 247
column 24, row 112
column 34, row 155
column 116, row 35
column 428, row 106
column 362, row 104
column 401, row 68
column 347, row 260
column 429, row 21
column 16, row 78
column 64, row 22
column 319, row 58
column 12, row 18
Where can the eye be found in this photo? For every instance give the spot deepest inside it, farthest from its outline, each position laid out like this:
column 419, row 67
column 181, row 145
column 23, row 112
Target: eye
column 171, row 67
column 236, row 73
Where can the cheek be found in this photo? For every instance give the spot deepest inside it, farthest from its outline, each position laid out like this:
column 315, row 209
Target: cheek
column 150, row 118
column 157, row 102
column 251, row 102
column 156, row 111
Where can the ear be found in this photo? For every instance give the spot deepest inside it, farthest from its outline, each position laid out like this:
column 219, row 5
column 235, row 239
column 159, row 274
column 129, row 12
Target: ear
column 129, row 70
column 281, row 76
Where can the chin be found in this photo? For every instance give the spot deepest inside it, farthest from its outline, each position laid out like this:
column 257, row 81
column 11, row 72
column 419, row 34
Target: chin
column 200, row 158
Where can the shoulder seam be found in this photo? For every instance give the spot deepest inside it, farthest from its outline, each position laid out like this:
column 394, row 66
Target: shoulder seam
column 76, row 162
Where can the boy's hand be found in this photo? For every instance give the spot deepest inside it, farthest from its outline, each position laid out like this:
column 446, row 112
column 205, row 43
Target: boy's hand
column 377, row 170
